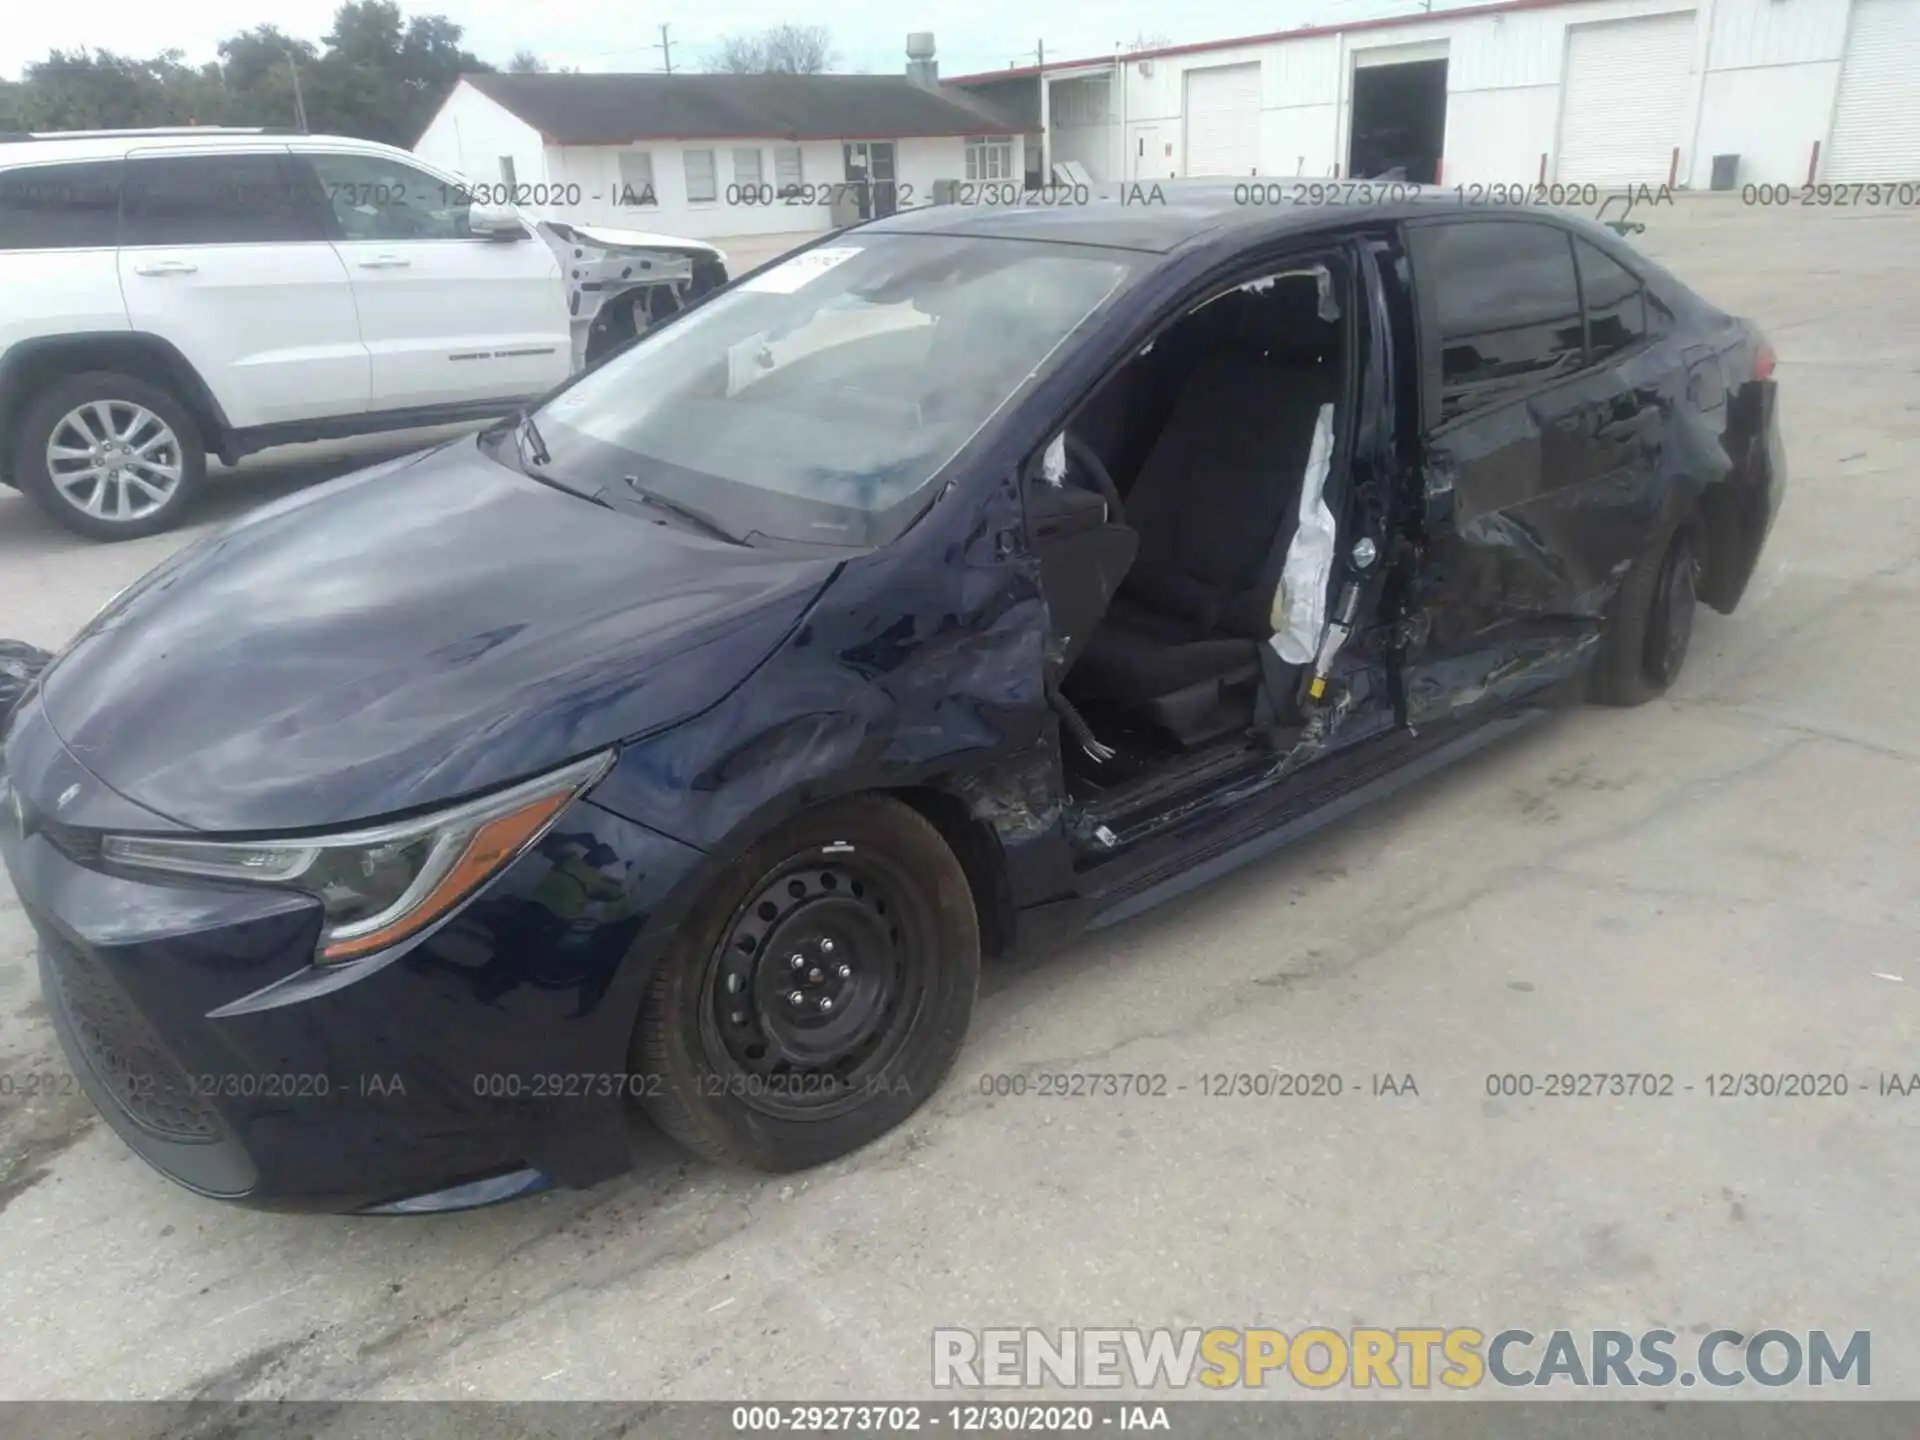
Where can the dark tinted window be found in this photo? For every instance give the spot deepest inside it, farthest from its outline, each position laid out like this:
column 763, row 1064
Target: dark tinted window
column 213, row 200
column 1505, row 304
column 1616, row 302
column 59, row 207
column 374, row 198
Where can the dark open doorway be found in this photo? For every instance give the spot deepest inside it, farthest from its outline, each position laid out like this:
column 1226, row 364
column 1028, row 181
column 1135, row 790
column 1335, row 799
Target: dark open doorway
column 1399, row 121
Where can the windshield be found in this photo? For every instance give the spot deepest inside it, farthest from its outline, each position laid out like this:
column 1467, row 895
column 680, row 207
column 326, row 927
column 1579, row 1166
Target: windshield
column 815, row 401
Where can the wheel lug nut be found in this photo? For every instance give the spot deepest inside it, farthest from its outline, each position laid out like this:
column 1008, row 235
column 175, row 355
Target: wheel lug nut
column 733, row 984
column 739, row 1017
column 845, row 972
column 797, row 998
column 826, row 947
column 826, row 1002
column 798, row 962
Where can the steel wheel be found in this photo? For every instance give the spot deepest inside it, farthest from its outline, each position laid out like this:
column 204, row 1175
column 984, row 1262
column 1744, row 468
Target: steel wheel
column 750, row 1059
column 815, row 985
column 114, row 460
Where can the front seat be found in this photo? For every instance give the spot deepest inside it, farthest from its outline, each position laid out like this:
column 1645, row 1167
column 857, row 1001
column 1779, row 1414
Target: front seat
column 1217, row 497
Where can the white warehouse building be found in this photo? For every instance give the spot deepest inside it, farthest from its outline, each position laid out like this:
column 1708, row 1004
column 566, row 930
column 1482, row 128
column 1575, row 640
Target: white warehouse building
column 739, row 158
column 1604, row 92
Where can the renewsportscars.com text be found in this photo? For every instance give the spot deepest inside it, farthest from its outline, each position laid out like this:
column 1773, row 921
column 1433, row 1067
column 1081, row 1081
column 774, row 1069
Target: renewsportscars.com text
column 1409, row 1358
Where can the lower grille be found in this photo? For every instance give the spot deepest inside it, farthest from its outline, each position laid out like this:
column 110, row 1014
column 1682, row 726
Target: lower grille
column 125, row 1053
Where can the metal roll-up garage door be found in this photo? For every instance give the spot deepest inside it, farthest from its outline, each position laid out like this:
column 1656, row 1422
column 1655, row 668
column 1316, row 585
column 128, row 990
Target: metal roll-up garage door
column 1623, row 103
column 1876, row 125
column 1223, row 120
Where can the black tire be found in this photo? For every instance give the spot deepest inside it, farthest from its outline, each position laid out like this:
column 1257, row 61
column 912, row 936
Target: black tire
column 874, row 881
column 120, row 518
column 1651, row 624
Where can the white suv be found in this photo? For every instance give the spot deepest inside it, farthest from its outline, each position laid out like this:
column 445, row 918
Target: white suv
column 170, row 294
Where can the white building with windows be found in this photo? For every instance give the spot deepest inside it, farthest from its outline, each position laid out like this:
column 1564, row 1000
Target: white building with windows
column 1602, row 92
column 719, row 157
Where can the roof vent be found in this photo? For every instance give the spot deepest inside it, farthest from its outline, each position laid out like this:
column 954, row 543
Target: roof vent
column 922, row 68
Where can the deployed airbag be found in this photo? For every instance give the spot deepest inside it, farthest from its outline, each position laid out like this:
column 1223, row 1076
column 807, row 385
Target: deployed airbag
column 1300, row 601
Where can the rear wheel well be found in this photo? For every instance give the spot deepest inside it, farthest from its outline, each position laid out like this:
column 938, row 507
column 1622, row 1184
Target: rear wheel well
column 50, row 361
column 978, row 850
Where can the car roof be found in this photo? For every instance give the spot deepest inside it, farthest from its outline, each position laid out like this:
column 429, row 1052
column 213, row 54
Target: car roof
column 78, row 145
column 1159, row 217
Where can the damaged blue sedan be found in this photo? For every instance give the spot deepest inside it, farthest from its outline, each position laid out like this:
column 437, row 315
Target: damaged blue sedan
column 963, row 581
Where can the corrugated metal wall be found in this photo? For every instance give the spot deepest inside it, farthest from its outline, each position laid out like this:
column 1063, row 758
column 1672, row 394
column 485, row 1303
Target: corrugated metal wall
column 1762, row 79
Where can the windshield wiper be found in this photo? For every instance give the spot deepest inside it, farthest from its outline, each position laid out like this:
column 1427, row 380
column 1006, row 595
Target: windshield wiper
column 528, row 433
column 685, row 512
column 530, row 458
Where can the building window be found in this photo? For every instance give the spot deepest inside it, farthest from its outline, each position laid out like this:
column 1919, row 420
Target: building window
column 787, row 176
column 636, row 178
column 700, row 179
column 989, row 159
column 745, row 189
column 506, row 176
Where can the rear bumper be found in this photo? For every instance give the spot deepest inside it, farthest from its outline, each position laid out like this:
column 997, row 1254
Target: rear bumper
column 1740, row 517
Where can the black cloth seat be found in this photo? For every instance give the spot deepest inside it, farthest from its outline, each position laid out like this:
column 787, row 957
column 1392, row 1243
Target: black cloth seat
column 1216, row 500
column 1138, row 652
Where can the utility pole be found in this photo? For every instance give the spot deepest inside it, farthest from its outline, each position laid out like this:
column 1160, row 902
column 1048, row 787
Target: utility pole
column 665, row 47
column 1046, row 119
column 299, row 105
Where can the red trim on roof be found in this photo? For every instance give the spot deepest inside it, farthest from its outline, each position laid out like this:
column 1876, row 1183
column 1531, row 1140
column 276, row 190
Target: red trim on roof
column 1305, row 32
column 708, row 138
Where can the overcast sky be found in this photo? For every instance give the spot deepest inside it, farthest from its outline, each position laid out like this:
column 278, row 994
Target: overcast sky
column 870, row 35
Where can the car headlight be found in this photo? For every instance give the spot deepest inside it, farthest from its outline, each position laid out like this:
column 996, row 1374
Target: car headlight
column 381, row 884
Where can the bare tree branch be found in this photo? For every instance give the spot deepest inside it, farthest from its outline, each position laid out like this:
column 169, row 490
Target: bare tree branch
column 777, row 50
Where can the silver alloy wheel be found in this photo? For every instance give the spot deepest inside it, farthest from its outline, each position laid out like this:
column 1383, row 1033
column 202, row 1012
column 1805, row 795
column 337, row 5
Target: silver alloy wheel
column 114, row 460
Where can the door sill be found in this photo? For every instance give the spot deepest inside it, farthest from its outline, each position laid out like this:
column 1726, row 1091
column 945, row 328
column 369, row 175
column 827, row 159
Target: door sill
column 1170, row 866
column 1149, row 796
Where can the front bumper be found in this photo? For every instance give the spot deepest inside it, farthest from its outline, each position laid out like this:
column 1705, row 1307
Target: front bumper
column 483, row 1061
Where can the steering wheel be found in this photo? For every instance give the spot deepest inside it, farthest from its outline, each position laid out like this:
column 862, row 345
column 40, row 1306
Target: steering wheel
column 1082, row 454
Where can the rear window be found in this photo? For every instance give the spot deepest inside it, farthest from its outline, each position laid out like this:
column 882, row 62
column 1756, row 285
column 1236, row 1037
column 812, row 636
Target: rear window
column 60, row 207
column 214, row 200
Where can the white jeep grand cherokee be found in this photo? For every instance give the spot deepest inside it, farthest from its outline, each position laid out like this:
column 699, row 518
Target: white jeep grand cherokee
column 171, row 294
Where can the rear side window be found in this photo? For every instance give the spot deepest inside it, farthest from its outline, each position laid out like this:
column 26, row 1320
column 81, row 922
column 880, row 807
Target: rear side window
column 60, row 207
column 213, row 200
column 1616, row 302
column 1502, row 306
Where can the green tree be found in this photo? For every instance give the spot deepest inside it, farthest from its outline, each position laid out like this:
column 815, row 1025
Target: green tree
column 377, row 75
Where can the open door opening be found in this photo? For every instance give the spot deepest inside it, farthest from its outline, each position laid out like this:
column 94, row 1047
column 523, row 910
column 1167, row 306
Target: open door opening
column 1164, row 516
column 1399, row 121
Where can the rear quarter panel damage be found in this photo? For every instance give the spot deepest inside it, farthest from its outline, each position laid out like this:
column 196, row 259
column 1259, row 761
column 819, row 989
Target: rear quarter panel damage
column 1533, row 514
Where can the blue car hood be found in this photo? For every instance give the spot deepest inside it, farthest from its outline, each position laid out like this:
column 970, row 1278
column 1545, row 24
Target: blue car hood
column 406, row 636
